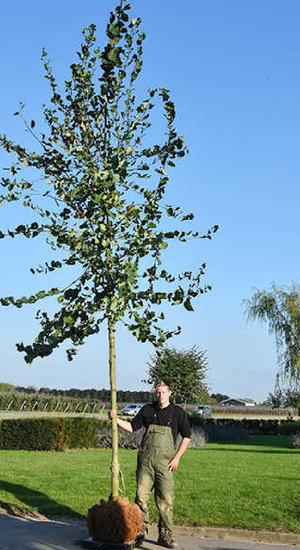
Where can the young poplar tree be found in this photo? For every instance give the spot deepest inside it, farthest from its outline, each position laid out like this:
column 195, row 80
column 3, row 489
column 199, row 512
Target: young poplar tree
column 99, row 201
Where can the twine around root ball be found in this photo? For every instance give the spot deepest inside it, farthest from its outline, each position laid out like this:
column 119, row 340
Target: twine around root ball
column 116, row 520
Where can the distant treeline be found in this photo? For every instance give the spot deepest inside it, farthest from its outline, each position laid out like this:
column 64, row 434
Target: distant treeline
column 103, row 395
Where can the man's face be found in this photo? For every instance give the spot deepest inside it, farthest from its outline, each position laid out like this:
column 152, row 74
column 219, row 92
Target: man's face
column 163, row 395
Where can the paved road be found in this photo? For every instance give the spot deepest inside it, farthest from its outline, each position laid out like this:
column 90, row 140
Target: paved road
column 28, row 534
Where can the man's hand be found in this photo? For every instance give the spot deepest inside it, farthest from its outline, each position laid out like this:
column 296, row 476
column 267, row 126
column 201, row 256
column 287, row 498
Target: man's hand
column 111, row 414
column 174, row 463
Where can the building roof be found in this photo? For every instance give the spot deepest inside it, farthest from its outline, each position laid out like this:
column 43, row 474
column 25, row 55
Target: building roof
column 234, row 400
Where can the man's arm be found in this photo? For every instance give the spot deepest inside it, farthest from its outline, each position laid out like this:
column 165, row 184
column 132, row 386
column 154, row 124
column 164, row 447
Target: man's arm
column 174, row 463
column 123, row 424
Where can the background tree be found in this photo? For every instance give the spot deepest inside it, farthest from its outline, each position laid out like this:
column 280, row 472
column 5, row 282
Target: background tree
column 275, row 399
column 185, row 372
column 94, row 187
column 218, row 397
column 291, row 398
column 280, row 308
column 283, row 398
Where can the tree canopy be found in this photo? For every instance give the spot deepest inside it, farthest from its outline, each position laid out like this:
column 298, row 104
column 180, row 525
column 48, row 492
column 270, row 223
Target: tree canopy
column 280, row 308
column 184, row 371
column 95, row 186
column 98, row 197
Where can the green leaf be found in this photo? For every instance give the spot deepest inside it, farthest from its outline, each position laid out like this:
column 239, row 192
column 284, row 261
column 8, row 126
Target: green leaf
column 178, row 296
column 69, row 320
column 97, row 199
column 113, row 30
column 187, row 304
column 114, row 55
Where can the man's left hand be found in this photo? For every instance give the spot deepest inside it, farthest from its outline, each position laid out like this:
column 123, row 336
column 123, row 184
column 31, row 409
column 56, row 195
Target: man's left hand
column 173, row 464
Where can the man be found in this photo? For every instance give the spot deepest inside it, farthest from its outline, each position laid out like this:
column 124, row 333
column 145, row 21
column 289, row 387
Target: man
column 158, row 458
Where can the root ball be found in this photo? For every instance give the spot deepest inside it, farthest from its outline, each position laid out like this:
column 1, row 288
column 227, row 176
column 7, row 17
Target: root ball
column 116, row 520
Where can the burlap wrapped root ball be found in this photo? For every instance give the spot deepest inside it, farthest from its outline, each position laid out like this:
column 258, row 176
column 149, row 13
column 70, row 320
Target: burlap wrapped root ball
column 116, row 520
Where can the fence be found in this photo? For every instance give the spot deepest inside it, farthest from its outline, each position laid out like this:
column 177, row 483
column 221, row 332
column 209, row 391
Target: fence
column 50, row 404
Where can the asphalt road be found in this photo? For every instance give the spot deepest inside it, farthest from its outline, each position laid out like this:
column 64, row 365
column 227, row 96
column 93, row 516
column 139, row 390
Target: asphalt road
column 29, row 534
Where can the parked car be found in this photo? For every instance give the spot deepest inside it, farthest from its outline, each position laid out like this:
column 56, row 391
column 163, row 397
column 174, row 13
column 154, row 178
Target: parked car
column 131, row 410
column 203, row 410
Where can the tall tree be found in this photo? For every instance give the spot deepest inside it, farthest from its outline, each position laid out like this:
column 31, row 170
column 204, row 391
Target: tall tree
column 280, row 308
column 184, row 371
column 98, row 201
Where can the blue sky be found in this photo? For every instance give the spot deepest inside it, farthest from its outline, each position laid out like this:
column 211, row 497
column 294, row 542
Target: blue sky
column 233, row 70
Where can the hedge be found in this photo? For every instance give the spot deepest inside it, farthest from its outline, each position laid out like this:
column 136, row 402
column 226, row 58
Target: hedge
column 253, row 426
column 50, row 434
column 59, row 434
column 287, row 428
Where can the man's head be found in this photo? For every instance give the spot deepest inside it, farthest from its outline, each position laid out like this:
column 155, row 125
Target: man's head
column 163, row 393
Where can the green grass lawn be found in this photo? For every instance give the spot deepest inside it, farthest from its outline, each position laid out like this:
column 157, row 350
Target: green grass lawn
column 254, row 485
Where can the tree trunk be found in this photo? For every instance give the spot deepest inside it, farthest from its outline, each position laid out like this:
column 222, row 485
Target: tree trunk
column 113, row 388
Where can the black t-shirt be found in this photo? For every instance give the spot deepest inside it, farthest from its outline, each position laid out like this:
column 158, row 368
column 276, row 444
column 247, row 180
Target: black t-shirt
column 172, row 416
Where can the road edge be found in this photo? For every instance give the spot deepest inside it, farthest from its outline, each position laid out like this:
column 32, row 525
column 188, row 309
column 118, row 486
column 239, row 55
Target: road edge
column 227, row 533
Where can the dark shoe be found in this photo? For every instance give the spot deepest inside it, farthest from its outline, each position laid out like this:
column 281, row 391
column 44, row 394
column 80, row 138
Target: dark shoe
column 139, row 540
column 141, row 536
column 166, row 540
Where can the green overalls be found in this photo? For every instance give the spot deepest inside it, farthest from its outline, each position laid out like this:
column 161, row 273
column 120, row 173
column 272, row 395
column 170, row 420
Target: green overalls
column 152, row 472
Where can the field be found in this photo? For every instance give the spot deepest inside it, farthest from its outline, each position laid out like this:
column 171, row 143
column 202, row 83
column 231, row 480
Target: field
column 254, row 485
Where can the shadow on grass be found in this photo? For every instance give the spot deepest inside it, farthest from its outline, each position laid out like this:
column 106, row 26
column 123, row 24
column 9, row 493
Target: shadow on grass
column 35, row 500
column 249, row 450
column 281, row 444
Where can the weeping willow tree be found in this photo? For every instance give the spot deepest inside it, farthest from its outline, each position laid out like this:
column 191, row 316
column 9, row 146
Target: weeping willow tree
column 99, row 201
column 280, row 308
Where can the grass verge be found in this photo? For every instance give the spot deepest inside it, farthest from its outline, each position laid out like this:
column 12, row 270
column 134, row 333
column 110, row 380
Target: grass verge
column 250, row 486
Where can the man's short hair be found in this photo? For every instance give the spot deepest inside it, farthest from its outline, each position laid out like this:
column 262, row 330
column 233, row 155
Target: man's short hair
column 162, row 383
